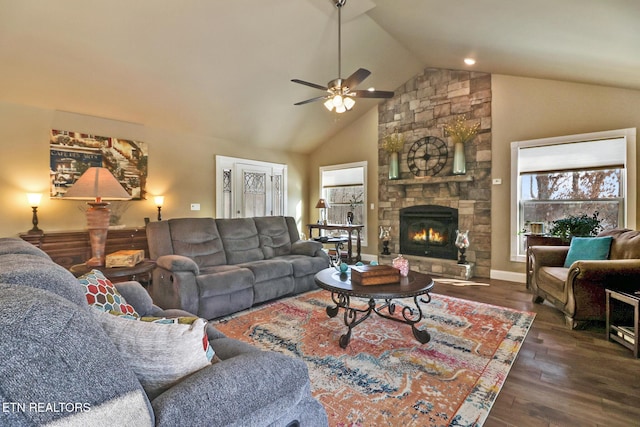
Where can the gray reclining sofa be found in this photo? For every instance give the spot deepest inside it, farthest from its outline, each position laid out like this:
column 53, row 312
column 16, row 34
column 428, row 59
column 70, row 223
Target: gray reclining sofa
column 214, row 267
column 60, row 368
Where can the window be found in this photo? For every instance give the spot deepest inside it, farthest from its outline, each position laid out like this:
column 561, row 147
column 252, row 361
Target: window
column 344, row 188
column 574, row 175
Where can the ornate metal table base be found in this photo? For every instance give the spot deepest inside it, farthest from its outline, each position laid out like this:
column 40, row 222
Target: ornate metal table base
column 354, row 316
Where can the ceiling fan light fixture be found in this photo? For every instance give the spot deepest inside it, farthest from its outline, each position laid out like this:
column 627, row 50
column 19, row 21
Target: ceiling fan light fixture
column 337, row 101
column 349, row 102
column 329, row 104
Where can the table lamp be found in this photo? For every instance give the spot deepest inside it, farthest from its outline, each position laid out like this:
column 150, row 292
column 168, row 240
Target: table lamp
column 97, row 184
column 159, row 202
column 322, row 205
column 34, row 202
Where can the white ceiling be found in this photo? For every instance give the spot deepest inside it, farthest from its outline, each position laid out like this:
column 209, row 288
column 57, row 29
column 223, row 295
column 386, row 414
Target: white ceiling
column 223, row 68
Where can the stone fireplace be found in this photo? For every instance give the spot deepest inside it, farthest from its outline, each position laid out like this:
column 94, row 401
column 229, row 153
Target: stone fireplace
column 420, row 108
column 429, row 230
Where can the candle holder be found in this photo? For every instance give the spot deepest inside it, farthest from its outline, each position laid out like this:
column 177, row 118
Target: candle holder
column 462, row 243
column 385, row 236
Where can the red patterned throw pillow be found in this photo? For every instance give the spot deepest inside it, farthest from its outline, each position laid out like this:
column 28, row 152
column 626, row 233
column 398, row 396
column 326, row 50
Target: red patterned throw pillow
column 101, row 294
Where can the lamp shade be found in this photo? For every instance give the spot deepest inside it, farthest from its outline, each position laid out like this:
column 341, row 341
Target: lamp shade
column 97, row 183
column 322, row 203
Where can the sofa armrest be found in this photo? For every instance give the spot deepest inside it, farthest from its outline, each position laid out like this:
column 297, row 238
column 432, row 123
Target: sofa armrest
column 614, row 271
column 136, row 295
column 175, row 263
column 250, row 389
column 306, row 247
column 548, row 256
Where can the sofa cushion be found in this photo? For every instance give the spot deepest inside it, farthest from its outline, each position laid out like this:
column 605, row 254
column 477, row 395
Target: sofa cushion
column 306, row 265
column 42, row 273
column 198, row 239
column 53, row 351
column 588, row 248
column 274, row 236
column 553, row 280
column 240, row 239
column 101, row 294
column 625, row 245
column 269, row 269
column 223, row 279
column 13, row 245
column 159, row 354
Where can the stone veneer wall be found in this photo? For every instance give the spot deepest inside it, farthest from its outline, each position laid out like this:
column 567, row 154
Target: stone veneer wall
column 420, row 108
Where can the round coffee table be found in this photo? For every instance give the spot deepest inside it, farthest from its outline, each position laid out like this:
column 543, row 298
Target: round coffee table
column 416, row 285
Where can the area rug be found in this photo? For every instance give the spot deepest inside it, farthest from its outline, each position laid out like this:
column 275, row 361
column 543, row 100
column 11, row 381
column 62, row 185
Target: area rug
column 385, row 377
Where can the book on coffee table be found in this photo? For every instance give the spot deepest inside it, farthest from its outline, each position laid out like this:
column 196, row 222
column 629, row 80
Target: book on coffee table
column 374, row 275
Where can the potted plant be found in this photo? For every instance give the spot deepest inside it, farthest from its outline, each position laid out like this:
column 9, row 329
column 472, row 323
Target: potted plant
column 580, row 226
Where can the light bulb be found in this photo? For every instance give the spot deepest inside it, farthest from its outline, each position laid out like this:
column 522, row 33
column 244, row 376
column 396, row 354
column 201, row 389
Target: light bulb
column 329, row 104
column 341, row 108
column 337, row 101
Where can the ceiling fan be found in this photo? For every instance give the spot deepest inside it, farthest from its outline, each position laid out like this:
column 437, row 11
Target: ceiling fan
column 342, row 91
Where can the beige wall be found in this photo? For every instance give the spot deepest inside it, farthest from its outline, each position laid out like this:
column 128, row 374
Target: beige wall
column 525, row 108
column 357, row 143
column 181, row 167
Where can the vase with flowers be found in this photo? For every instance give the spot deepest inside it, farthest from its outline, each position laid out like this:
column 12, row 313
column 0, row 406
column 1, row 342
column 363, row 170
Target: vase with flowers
column 392, row 144
column 460, row 134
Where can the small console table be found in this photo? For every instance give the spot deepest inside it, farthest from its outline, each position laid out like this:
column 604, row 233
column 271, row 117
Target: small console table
column 349, row 228
column 140, row 272
column 624, row 330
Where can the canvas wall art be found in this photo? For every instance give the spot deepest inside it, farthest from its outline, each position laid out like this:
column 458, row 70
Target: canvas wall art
column 72, row 153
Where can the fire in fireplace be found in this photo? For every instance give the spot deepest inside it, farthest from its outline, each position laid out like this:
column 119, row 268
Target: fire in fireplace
column 429, row 230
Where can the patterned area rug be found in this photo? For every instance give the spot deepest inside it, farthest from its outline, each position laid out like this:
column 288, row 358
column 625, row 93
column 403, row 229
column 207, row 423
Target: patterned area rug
column 385, row 377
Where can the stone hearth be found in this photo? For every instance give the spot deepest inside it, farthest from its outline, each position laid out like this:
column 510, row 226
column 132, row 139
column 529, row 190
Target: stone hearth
column 420, row 108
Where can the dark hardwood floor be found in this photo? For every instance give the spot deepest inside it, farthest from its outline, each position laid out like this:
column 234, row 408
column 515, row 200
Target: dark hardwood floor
column 561, row 377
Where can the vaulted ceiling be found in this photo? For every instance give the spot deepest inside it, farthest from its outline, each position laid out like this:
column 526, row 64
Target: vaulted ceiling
column 223, row 68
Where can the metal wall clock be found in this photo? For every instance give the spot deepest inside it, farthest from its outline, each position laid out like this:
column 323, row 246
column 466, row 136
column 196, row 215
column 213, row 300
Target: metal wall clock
column 427, row 156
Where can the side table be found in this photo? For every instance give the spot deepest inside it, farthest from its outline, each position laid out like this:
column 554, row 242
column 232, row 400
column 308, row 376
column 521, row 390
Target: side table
column 621, row 308
column 140, row 272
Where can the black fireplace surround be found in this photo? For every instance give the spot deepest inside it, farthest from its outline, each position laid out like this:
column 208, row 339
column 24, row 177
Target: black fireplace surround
column 429, row 231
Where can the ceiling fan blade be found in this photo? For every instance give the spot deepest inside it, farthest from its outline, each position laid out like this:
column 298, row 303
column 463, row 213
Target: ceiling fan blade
column 318, row 98
column 356, row 78
column 371, row 94
column 313, row 85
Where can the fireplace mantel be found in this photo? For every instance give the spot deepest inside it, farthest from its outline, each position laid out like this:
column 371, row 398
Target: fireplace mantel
column 431, row 180
column 453, row 181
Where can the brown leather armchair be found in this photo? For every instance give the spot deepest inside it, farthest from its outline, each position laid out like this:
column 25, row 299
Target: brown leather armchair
column 579, row 291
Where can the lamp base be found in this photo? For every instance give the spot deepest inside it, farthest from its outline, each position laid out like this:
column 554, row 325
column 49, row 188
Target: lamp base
column 98, row 224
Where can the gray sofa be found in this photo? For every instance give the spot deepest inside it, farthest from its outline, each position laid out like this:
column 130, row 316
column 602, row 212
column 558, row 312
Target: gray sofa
column 60, row 368
column 214, row 267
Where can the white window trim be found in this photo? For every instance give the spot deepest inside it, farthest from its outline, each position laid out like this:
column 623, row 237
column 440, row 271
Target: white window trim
column 630, row 179
column 363, row 164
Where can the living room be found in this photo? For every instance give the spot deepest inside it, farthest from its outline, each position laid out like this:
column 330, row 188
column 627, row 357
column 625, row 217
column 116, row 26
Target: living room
column 42, row 89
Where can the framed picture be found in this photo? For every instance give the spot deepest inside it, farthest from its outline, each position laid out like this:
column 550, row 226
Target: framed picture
column 72, row 153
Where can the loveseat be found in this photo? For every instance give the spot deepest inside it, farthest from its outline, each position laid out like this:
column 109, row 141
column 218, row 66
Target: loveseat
column 61, row 368
column 214, row 267
column 578, row 289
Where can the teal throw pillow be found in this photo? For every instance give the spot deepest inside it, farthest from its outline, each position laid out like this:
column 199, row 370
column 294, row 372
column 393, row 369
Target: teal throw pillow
column 588, row 248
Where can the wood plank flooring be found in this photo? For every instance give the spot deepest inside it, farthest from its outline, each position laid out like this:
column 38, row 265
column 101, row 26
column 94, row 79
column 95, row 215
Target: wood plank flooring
column 561, row 377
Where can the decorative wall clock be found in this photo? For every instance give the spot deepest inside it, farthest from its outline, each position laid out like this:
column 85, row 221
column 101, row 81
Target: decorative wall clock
column 427, row 156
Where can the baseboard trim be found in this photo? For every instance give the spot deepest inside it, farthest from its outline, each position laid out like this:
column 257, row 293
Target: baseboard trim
column 508, row 276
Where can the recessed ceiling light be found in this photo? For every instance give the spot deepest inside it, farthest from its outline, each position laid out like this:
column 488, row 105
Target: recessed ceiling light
column 371, row 89
column 469, row 61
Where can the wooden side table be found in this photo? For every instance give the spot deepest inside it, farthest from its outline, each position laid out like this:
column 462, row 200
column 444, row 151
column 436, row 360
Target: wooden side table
column 349, row 228
column 620, row 329
column 140, row 272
